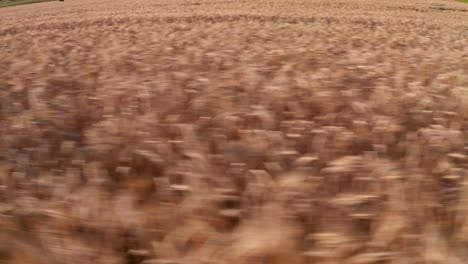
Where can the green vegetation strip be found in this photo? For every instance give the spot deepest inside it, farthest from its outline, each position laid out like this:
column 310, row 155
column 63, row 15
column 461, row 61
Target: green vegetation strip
column 5, row 3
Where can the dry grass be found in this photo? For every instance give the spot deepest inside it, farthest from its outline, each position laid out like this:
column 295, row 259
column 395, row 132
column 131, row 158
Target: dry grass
column 234, row 132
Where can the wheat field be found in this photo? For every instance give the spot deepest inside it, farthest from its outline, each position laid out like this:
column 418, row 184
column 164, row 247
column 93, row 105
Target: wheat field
column 234, row 132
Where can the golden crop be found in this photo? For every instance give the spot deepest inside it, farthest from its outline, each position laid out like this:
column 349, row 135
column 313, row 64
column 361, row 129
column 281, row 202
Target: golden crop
column 234, row 132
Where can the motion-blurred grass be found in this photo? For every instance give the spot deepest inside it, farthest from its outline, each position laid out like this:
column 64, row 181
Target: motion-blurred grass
column 6, row 3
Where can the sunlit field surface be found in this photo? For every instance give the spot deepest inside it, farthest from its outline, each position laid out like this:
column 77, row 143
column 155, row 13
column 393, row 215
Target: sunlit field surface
column 234, row 132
